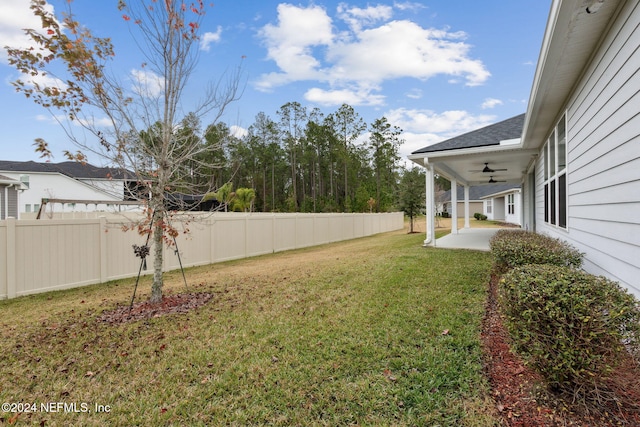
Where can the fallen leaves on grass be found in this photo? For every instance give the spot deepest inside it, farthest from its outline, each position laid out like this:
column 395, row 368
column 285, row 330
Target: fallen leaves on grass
column 170, row 304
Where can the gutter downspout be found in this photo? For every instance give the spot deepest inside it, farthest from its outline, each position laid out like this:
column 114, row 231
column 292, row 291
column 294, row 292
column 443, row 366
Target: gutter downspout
column 430, row 211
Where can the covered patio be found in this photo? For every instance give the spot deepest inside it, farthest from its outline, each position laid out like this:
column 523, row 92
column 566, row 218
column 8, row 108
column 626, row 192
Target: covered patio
column 467, row 238
column 493, row 154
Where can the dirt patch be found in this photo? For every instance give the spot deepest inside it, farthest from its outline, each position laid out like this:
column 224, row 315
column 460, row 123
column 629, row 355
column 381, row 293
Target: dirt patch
column 170, row 304
column 521, row 398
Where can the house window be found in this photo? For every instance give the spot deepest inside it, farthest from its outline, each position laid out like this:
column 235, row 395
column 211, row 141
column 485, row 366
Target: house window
column 25, row 180
column 555, row 175
column 511, row 204
column 36, row 207
column 27, row 207
column 489, row 206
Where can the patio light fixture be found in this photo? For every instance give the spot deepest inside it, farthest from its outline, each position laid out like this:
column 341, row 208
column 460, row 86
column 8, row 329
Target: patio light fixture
column 594, row 6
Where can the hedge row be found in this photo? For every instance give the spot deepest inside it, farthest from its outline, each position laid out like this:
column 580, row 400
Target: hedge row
column 568, row 324
column 512, row 248
column 572, row 327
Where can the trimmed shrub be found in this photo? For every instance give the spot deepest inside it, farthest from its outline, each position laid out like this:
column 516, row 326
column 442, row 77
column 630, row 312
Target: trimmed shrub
column 477, row 215
column 483, row 217
column 511, row 248
column 569, row 325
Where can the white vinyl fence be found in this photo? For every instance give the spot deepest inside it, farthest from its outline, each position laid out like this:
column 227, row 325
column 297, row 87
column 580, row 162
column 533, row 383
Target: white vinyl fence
column 45, row 255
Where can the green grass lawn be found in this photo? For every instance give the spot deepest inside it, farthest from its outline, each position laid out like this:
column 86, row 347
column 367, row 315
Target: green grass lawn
column 375, row 331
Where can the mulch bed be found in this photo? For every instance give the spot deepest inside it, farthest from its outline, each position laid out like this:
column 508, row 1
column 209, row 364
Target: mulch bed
column 521, row 398
column 170, row 304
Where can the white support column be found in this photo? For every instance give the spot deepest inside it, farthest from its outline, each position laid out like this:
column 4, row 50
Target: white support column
column 466, row 207
column 430, row 238
column 454, row 206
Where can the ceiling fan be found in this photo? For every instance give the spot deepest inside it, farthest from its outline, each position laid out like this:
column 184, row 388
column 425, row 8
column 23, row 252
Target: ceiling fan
column 487, row 169
column 493, row 181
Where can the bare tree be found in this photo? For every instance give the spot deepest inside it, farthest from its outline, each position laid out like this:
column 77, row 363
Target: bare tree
column 145, row 134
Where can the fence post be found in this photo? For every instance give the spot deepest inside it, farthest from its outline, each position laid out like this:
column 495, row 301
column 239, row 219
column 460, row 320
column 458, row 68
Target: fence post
column 11, row 258
column 102, row 238
column 212, row 238
column 273, row 233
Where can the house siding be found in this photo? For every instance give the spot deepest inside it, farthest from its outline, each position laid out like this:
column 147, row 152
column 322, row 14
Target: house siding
column 12, row 202
column 474, row 207
column 603, row 154
column 8, row 202
column 53, row 185
column 515, row 217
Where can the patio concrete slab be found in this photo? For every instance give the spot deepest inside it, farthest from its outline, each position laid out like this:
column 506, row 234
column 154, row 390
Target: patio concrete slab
column 468, row 238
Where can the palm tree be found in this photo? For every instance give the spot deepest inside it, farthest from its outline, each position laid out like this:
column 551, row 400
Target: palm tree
column 225, row 195
column 244, row 198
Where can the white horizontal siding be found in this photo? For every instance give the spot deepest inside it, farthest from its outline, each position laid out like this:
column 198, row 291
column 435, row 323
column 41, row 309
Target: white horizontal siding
column 539, row 196
column 609, row 193
column 604, row 156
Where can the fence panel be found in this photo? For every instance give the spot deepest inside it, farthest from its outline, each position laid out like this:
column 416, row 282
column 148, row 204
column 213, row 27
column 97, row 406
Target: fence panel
column 5, row 247
column 56, row 255
column 44, row 255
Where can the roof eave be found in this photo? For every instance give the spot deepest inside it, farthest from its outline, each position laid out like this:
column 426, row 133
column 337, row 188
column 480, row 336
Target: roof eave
column 569, row 42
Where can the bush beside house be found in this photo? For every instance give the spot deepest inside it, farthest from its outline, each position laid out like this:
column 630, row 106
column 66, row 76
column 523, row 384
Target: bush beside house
column 570, row 326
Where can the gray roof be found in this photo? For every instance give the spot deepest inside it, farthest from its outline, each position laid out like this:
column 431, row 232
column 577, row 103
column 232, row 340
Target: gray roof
column 72, row 169
column 479, row 191
column 488, row 135
column 7, row 180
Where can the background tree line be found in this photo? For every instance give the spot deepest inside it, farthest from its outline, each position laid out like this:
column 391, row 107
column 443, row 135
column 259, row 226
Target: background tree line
column 300, row 160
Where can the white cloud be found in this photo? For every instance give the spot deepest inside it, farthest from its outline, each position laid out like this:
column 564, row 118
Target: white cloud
column 425, row 127
column 289, row 44
column 209, row 37
column 414, row 93
column 43, row 80
column 407, row 5
column 346, row 96
column 16, row 15
column 306, row 46
column 147, row 83
column 446, row 124
column 357, row 18
column 491, row 103
column 238, row 131
column 414, row 141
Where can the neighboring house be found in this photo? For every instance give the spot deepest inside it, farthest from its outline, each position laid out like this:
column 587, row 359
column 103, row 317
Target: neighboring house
column 505, row 206
column 84, row 187
column 500, row 202
column 578, row 155
column 10, row 190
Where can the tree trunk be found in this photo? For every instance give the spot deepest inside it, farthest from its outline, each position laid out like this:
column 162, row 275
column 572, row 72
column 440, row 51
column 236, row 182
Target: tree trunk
column 156, row 287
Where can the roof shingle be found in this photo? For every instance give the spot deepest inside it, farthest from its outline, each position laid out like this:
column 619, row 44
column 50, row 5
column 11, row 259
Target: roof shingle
column 488, row 135
column 71, row 169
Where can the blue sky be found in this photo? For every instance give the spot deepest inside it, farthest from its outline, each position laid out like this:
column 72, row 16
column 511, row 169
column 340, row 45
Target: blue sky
column 434, row 68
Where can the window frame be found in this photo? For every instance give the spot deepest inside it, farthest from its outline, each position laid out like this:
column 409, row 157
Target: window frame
column 555, row 176
column 511, row 204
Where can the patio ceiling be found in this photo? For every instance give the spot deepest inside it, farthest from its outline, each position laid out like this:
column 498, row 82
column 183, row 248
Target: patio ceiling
column 466, row 165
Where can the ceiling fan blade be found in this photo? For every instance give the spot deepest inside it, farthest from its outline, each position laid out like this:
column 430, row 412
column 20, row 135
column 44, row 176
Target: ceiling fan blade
column 487, row 169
